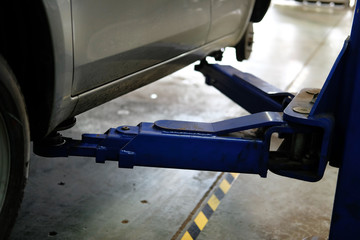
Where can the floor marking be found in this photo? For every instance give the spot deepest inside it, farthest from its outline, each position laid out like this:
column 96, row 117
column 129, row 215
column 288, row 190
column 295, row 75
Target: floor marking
column 201, row 220
column 209, row 208
column 235, row 175
column 213, row 202
column 187, row 236
column 225, row 186
column 198, row 206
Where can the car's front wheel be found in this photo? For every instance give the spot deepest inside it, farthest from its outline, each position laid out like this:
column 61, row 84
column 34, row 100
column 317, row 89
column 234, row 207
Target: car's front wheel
column 14, row 148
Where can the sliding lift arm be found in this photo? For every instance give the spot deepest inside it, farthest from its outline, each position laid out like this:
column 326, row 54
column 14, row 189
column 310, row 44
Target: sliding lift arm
column 235, row 145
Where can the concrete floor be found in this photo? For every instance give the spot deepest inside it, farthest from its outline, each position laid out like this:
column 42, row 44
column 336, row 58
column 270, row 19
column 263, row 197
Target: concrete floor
column 74, row 198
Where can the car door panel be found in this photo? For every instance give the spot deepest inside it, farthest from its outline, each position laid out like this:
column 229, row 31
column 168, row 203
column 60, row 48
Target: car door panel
column 229, row 16
column 113, row 38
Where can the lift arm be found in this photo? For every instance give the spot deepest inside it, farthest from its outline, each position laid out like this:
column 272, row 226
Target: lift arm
column 235, row 145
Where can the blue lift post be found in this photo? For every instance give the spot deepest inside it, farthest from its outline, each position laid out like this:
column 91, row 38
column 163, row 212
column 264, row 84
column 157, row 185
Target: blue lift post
column 310, row 124
column 345, row 78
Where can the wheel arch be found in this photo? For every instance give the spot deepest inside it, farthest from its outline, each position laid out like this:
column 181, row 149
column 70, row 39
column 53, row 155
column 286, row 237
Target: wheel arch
column 26, row 45
column 260, row 9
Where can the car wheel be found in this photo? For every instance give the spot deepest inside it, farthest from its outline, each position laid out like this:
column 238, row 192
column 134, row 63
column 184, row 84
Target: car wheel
column 14, row 148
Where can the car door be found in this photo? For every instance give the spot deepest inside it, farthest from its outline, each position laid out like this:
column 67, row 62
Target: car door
column 229, row 16
column 116, row 38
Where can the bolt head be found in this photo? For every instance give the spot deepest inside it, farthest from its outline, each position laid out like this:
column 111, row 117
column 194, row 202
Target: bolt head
column 301, row 110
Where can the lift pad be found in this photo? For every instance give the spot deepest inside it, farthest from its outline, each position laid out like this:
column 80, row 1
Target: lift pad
column 235, row 145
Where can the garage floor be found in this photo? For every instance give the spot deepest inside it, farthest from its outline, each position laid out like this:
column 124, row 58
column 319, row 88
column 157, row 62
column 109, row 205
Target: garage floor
column 74, row 198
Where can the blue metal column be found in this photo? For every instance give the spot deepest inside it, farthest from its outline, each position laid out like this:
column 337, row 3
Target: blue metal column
column 346, row 213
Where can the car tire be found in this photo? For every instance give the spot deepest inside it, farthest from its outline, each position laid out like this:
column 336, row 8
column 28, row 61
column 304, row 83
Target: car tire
column 14, row 148
column 244, row 47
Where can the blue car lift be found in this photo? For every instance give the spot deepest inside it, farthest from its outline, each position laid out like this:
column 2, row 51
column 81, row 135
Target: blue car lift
column 316, row 127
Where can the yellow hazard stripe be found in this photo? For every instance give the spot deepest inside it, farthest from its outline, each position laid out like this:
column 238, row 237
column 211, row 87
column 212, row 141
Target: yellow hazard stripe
column 213, row 202
column 187, row 236
column 202, row 218
column 235, row 175
column 225, row 186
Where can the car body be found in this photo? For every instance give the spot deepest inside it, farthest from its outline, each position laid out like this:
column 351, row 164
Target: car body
column 70, row 56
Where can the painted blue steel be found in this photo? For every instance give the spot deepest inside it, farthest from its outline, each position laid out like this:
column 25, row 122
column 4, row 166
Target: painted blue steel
column 250, row 92
column 321, row 124
column 149, row 145
column 203, row 146
column 345, row 223
column 156, row 148
column 255, row 120
column 334, row 99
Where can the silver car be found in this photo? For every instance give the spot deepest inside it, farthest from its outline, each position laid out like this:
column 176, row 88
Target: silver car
column 59, row 58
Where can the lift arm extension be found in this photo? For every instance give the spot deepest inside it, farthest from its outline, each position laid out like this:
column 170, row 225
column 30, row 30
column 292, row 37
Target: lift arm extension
column 247, row 90
column 177, row 144
column 229, row 145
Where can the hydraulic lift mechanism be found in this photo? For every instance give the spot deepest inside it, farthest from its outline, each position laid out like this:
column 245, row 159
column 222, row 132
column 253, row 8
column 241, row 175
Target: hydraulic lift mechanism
column 316, row 127
column 221, row 146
